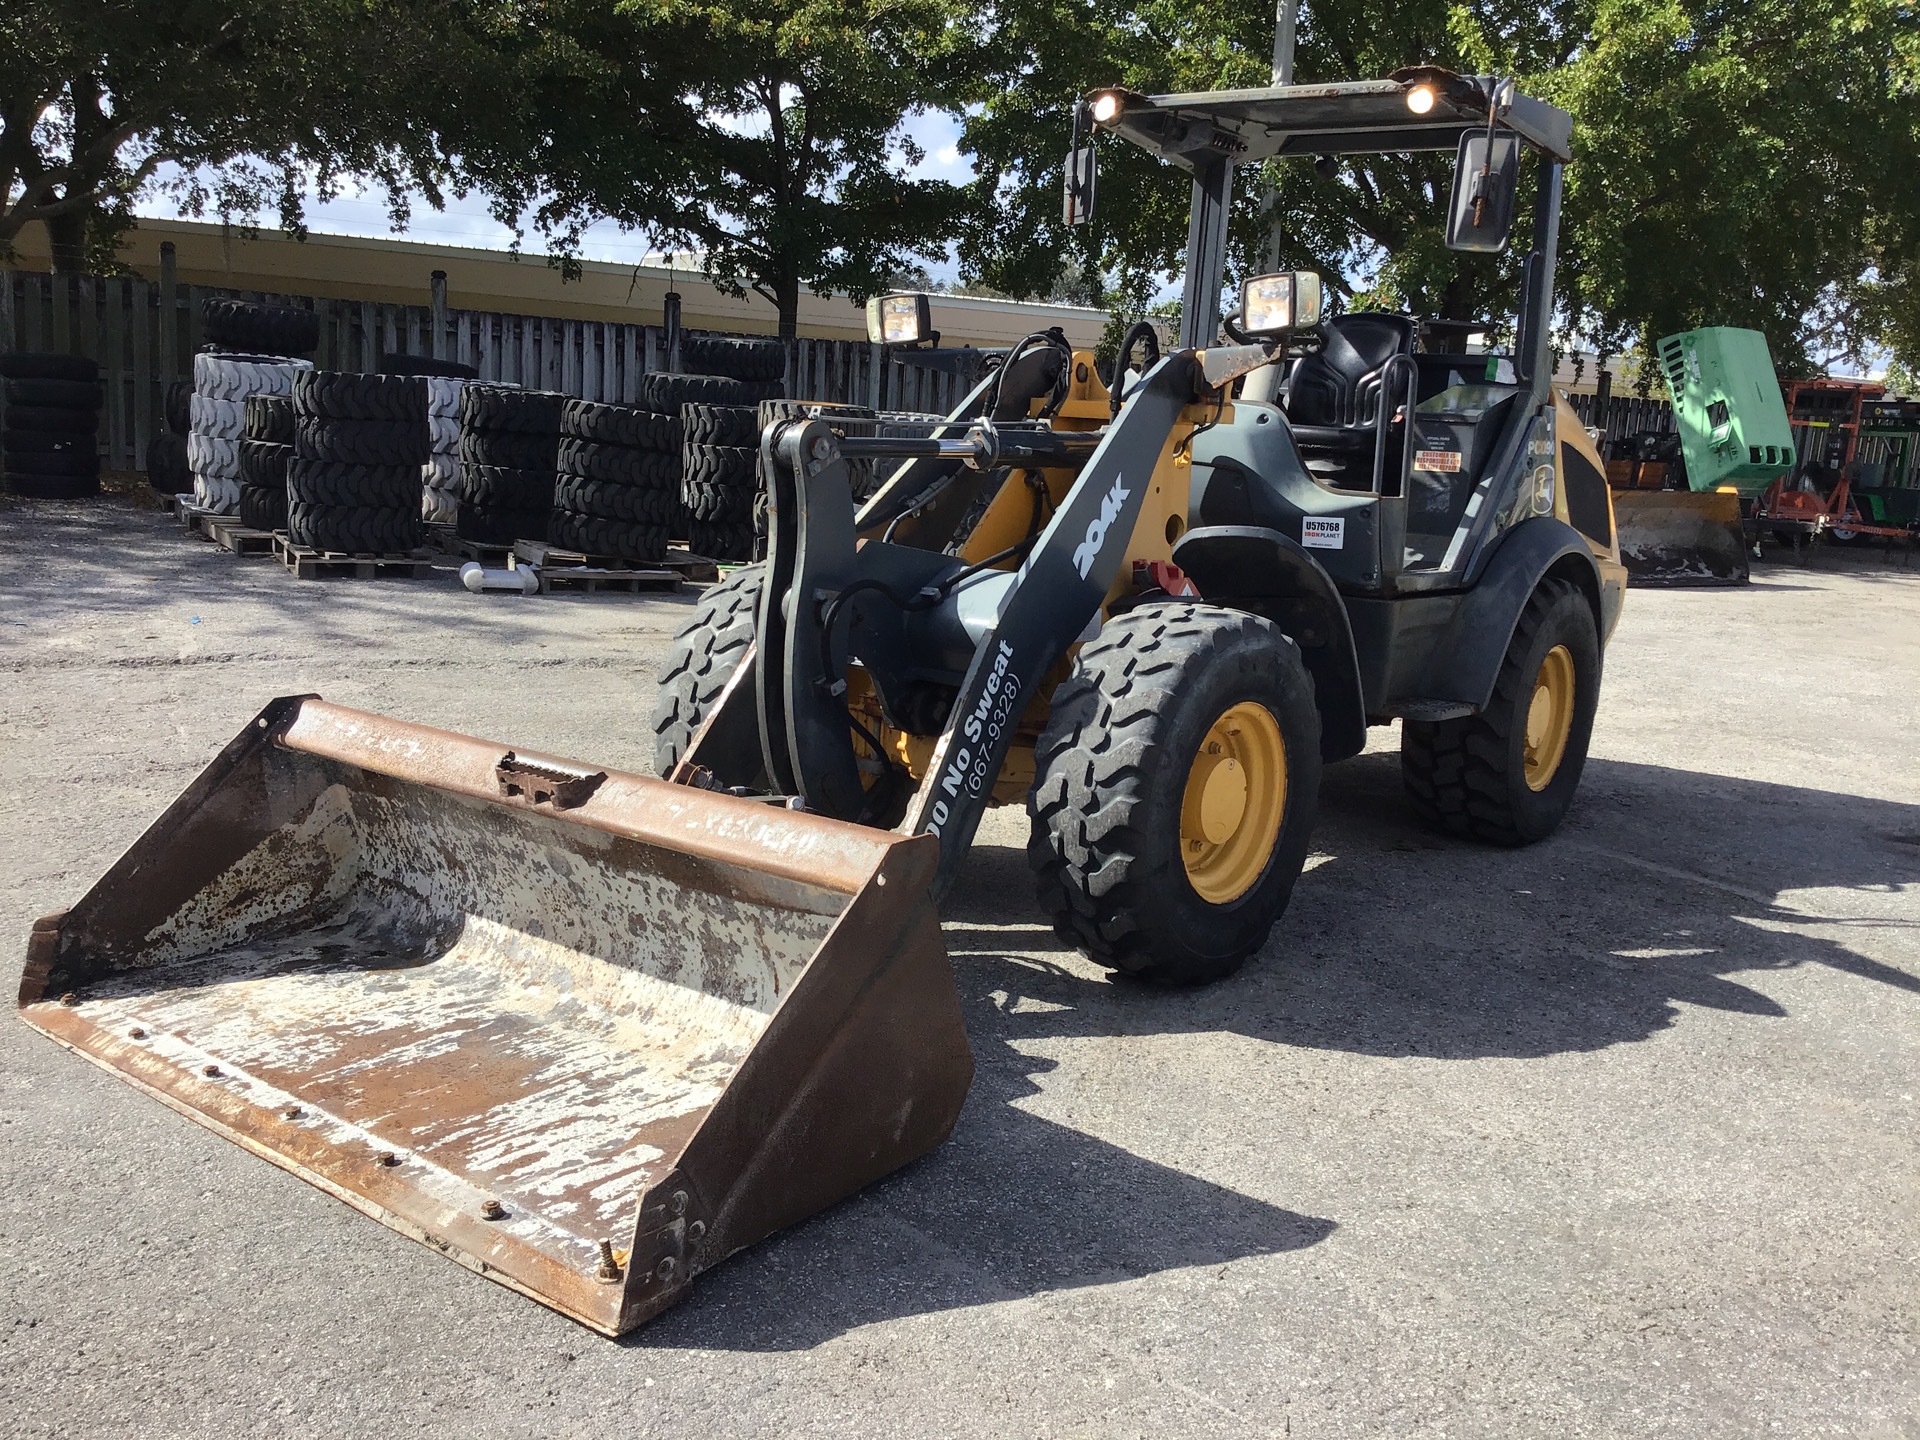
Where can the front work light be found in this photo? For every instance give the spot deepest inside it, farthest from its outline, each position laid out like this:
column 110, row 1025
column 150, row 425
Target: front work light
column 903, row 318
column 1106, row 105
column 1420, row 98
column 1275, row 304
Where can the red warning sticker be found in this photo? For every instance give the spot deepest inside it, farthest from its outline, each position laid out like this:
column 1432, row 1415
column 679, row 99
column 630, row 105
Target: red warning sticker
column 1436, row 460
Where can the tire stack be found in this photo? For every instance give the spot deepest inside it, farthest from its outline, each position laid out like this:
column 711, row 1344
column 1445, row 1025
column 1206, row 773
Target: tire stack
column 221, row 385
column 360, row 445
column 618, row 488
column 47, row 445
column 718, row 467
column 509, row 450
column 265, row 450
column 167, row 468
column 440, row 500
column 244, row 326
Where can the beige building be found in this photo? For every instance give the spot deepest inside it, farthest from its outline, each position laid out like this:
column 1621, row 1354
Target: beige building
column 397, row 271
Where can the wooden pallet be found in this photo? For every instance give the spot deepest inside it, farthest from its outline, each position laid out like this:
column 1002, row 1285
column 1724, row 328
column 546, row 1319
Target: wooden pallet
column 492, row 556
column 571, row 570
column 193, row 518
column 696, row 568
column 229, row 534
column 308, row 564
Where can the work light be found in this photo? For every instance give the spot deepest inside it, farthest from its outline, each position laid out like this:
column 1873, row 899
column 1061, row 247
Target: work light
column 1106, row 105
column 904, row 318
column 1420, row 99
column 1275, row 304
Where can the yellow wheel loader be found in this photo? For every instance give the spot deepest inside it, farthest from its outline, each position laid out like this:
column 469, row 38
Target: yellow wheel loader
column 589, row 1033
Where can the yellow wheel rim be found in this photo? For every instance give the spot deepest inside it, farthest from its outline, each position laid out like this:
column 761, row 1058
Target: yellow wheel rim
column 1236, row 795
column 1549, row 718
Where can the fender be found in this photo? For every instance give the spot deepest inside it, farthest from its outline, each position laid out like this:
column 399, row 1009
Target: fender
column 1466, row 662
column 1253, row 568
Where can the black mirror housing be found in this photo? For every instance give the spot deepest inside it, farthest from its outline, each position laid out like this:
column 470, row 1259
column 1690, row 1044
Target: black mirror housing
column 1485, row 176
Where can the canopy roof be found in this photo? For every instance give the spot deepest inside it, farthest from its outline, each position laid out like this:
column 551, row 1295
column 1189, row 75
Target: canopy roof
column 1363, row 117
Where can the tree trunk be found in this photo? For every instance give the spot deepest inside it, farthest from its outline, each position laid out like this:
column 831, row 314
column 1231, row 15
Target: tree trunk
column 67, row 240
column 787, row 287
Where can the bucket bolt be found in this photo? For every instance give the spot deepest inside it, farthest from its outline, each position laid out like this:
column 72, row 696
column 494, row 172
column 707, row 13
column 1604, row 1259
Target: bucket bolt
column 387, row 1158
column 136, row 1033
column 492, row 1210
column 609, row 1267
column 69, row 998
column 293, row 1112
column 212, row 1072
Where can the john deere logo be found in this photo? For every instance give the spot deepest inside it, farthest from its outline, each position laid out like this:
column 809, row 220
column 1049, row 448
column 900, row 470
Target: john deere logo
column 1089, row 550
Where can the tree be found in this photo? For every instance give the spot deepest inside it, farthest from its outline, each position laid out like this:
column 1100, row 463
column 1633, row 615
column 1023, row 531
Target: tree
column 254, row 102
column 765, row 137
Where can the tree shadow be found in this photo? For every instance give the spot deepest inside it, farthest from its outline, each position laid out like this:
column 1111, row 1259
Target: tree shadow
column 1661, row 889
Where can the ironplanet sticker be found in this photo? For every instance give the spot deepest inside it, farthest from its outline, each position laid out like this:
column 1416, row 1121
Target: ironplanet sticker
column 1436, row 460
column 1320, row 534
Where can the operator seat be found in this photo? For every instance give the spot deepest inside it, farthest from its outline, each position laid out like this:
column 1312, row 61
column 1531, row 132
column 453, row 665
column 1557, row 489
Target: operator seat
column 1333, row 397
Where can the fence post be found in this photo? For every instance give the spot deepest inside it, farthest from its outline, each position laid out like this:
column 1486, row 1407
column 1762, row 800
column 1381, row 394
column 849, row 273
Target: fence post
column 672, row 310
column 169, row 366
column 6, row 309
column 1602, row 398
column 437, row 285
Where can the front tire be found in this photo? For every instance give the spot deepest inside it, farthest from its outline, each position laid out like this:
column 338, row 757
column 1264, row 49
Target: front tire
column 1507, row 776
column 1175, row 790
column 703, row 657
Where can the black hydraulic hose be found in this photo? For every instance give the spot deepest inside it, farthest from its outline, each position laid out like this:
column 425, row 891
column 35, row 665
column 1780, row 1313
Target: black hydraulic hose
column 1139, row 331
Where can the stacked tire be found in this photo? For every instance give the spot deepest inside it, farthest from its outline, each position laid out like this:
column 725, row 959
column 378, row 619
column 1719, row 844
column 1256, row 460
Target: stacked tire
column 266, row 449
column 509, row 450
column 440, row 498
column 167, row 469
column 618, row 488
column 48, row 444
column 221, row 385
column 360, row 443
column 720, row 433
column 245, row 326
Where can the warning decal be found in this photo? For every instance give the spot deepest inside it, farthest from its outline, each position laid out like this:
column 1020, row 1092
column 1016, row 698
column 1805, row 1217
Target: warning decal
column 1436, row 460
column 1319, row 534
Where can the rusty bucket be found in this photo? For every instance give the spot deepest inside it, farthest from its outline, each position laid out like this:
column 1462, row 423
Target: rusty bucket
column 586, row 1033
column 1681, row 537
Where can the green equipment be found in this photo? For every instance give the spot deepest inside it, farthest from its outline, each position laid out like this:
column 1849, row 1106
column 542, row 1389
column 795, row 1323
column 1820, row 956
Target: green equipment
column 1727, row 407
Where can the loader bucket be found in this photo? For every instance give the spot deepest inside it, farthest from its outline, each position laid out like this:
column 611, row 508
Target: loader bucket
column 1680, row 537
column 586, row 1033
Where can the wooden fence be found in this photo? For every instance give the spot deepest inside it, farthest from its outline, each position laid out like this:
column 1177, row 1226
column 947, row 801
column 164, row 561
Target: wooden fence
column 1624, row 415
column 144, row 334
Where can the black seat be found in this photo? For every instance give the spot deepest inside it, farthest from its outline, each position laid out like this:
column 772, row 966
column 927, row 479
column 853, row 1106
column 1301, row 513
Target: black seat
column 1333, row 397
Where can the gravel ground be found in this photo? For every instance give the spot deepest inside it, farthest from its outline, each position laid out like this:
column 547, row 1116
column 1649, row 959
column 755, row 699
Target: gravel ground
column 1613, row 1136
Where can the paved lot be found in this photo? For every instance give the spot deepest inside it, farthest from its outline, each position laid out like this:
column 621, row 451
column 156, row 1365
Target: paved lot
column 1611, row 1137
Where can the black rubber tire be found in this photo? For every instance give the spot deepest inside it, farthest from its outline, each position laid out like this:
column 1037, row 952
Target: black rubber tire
column 331, row 484
column 263, row 464
column 496, row 407
column 268, row 329
column 516, row 449
column 167, row 470
column 270, row 418
column 719, row 541
column 52, row 419
column 620, row 425
column 263, row 507
column 728, row 505
column 720, row 425
column 56, row 394
column 702, row 658
column 737, row 465
column 1467, row 777
column 426, row 365
column 495, row 525
column 609, row 500
column 42, row 442
column 354, row 529
column 52, row 487
column 362, row 442
column 340, row 395
column 85, row 461
column 762, row 360
column 502, row 487
column 41, row 365
column 1111, row 772
column 646, row 469
column 616, row 539
column 177, row 408
column 665, row 394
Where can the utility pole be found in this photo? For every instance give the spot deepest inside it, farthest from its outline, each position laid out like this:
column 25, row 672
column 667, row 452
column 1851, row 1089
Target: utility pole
column 1286, row 21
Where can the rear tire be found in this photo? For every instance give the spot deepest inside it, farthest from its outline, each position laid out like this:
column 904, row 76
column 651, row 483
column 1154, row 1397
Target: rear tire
column 1119, row 787
column 703, row 657
column 1471, row 777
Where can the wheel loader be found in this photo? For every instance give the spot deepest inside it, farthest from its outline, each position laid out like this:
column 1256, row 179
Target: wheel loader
column 588, row 1033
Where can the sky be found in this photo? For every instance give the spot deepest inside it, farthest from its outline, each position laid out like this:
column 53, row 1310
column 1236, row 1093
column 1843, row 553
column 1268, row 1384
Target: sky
column 467, row 222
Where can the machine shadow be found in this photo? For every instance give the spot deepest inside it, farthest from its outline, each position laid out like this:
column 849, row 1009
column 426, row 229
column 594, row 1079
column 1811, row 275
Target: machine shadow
column 1662, row 889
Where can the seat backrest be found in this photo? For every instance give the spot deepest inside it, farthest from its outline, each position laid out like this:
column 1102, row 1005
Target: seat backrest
column 1324, row 388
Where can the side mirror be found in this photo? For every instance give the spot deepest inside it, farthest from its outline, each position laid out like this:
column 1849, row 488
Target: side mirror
column 1275, row 304
column 903, row 318
column 1083, row 173
column 1484, row 178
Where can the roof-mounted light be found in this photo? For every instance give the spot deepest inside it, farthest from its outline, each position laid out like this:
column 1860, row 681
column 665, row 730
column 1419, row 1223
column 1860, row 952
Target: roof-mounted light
column 1420, row 98
column 1106, row 107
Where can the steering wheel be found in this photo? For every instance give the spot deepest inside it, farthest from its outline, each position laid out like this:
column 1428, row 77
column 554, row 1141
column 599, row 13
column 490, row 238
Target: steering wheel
column 1305, row 340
